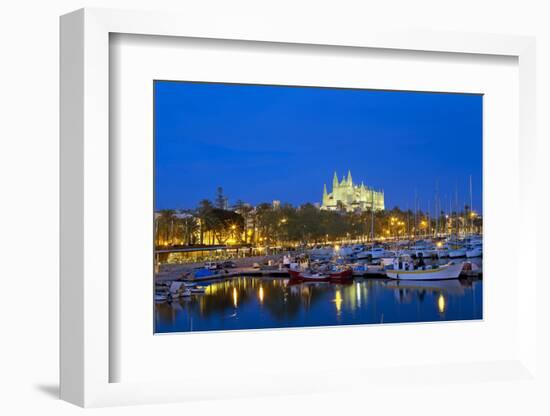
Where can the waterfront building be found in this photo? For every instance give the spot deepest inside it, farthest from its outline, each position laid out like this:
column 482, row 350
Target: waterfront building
column 347, row 196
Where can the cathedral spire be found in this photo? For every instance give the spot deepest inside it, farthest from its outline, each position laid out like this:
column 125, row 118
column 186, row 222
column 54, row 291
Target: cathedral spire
column 347, row 196
column 325, row 196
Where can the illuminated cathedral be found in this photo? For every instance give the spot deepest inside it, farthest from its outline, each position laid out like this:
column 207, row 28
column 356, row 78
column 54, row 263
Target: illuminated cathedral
column 346, row 196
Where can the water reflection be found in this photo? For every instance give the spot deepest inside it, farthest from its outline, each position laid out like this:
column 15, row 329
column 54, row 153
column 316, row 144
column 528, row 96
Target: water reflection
column 441, row 303
column 338, row 301
column 250, row 302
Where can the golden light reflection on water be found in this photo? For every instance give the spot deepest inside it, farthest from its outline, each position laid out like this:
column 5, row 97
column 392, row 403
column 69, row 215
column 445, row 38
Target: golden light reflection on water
column 441, row 304
column 261, row 294
column 235, row 297
column 338, row 300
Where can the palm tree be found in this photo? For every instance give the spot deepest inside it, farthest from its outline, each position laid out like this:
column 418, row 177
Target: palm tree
column 165, row 226
column 247, row 212
column 204, row 213
column 190, row 227
column 266, row 220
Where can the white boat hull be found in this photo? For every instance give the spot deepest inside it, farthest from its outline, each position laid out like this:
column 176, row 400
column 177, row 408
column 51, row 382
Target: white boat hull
column 457, row 253
column 315, row 277
column 371, row 254
column 448, row 271
column 476, row 252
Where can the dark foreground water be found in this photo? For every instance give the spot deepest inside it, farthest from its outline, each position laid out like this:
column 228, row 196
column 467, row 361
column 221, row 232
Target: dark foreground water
column 253, row 302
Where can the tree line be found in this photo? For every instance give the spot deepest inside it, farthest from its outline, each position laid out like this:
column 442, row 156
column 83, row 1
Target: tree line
column 212, row 224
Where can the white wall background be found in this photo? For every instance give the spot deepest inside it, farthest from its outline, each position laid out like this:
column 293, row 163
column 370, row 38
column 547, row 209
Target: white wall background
column 29, row 57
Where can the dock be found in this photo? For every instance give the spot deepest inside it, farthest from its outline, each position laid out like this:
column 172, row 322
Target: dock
column 251, row 271
column 372, row 273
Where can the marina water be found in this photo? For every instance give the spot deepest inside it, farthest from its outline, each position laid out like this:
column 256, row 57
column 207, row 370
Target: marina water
column 256, row 302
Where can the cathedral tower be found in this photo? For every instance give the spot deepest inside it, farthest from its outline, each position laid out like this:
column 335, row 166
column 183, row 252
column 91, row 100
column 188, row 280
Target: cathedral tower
column 351, row 197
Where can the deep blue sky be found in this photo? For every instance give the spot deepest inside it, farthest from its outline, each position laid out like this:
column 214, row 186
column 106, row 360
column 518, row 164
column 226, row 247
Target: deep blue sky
column 262, row 143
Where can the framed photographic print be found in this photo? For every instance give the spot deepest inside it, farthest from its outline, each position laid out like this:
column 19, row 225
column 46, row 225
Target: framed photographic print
column 241, row 212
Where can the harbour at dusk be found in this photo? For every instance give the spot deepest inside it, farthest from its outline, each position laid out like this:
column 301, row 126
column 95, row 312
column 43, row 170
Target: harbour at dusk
column 280, row 207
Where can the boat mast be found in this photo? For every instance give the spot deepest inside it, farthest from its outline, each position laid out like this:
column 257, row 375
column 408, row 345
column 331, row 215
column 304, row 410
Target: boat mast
column 415, row 214
column 451, row 213
column 471, row 208
column 408, row 223
column 429, row 217
column 445, row 214
column 372, row 217
column 436, row 205
column 456, row 210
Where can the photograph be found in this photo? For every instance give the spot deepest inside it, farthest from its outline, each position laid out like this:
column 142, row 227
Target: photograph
column 281, row 206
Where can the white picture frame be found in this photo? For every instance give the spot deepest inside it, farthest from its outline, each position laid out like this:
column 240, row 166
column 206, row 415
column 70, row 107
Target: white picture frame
column 86, row 356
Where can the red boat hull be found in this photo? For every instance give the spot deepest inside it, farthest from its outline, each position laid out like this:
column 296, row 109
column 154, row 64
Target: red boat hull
column 294, row 274
column 342, row 277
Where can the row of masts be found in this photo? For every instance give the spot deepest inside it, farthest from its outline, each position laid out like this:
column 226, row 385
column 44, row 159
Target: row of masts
column 453, row 212
column 453, row 215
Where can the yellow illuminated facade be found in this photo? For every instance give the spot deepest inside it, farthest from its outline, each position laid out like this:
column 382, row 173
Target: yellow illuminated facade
column 347, row 196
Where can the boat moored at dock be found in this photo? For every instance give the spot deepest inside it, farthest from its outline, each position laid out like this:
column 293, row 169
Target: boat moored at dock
column 373, row 253
column 457, row 252
column 474, row 251
column 405, row 269
column 322, row 276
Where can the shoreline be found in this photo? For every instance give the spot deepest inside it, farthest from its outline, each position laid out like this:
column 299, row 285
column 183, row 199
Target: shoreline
column 169, row 272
